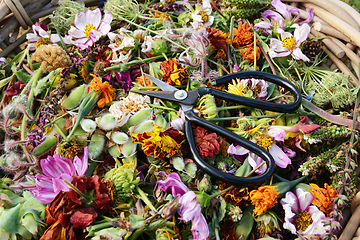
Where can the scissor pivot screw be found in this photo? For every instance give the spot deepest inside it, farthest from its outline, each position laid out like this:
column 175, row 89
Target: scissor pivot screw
column 180, row 95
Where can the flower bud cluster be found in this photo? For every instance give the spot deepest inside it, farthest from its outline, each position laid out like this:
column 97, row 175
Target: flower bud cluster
column 51, row 57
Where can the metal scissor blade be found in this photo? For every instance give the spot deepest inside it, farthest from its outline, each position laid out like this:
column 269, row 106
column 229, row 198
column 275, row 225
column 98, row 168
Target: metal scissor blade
column 162, row 85
column 167, row 95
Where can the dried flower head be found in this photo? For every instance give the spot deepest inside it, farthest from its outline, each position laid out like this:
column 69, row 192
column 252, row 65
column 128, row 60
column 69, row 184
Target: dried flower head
column 323, row 197
column 51, row 57
column 237, row 196
column 243, row 35
column 264, row 198
column 207, row 143
column 174, row 73
column 249, row 53
column 218, row 42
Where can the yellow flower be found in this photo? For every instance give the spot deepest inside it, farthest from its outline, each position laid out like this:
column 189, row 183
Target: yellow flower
column 160, row 143
column 236, row 88
column 174, row 73
column 263, row 199
column 107, row 93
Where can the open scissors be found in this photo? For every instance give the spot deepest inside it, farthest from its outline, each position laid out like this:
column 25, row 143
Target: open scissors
column 187, row 99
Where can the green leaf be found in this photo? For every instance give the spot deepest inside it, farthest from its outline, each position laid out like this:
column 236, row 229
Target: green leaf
column 9, row 219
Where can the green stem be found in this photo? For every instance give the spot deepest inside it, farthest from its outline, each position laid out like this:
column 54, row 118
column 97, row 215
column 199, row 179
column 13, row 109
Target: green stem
column 59, row 118
column 118, row 66
column 75, row 189
column 61, row 40
column 145, row 199
column 149, row 18
column 60, row 131
column 162, row 107
column 154, row 32
column 34, row 80
column 231, row 107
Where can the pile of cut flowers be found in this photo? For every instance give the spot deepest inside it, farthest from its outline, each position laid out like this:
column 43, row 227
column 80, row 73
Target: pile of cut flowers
column 84, row 157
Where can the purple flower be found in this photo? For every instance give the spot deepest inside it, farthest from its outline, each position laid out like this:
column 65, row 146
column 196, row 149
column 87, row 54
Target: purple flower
column 89, row 27
column 124, row 79
column 190, row 209
column 56, row 169
column 300, row 217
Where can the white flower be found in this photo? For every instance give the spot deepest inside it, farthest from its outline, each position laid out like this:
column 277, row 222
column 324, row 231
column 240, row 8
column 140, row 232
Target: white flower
column 121, row 46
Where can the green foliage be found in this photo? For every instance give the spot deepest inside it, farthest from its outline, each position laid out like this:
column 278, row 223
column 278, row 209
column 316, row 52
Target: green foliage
column 64, row 15
column 243, row 8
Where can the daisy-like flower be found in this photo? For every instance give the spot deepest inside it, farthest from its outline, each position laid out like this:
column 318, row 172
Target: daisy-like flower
column 89, row 27
column 300, row 217
column 249, row 87
column 40, row 36
column 290, row 44
column 202, row 16
column 56, row 169
column 269, row 142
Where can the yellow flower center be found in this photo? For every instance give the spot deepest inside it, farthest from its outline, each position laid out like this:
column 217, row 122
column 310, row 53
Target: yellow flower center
column 88, row 28
column 289, row 43
column 264, row 141
column 303, row 220
column 42, row 41
column 204, row 16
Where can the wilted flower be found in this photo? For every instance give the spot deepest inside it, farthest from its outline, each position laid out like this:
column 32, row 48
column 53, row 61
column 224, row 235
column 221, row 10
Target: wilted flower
column 290, row 44
column 40, row 36
column 218, row 42
column 178, row 122
column 242, row 35
column 207, row 106
column 256, row 88
column 160, row 143
column 263, row 198
column 300, row 217
column 267, row 223
column 191, row 209
column 238, row 196
column 174, row 73
column 121, row 45
column 202, row 16
column 207, row 143
column 323, row 197
column 57, row 169
column 89, row 27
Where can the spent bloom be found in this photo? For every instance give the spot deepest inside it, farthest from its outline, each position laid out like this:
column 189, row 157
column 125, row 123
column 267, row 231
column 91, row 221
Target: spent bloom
column 300, row 217
column 290, row 44
column 190, row 209
column 249, row 87
column 89, row 27
column 40, row 36
column 323, row 197
column 263, row 198
column 56, row 169
column 121, row 45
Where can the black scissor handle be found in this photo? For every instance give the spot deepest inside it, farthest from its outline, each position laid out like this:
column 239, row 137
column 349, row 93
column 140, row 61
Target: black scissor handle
column 232, row 137
column 253, row 102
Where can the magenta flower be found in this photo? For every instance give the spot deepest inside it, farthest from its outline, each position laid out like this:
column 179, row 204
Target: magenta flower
column 56, row 169
column 190, row 209
column 89, row 27
column 40, row 36
column 300, row 217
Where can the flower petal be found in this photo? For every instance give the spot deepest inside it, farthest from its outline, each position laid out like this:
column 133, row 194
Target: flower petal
column 76, row 33
column 271, row 15
column 80, row 21
column 173, row 184
column 94, row 17
column 280, row 158
column 301, row 33
column 282, row 8
column 298, row 55
column 277, row 133
column 305, row 199
column 81, row 165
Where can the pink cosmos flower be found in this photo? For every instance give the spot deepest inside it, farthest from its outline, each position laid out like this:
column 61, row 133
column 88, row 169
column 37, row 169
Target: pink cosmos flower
column 289, row 44
column 57, row 169
column 281, row 158
column 89, row 27
column 300, row 217
column 190, row 209
column 40, row 36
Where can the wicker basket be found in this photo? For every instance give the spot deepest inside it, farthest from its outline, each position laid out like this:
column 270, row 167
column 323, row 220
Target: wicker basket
column 343, row 51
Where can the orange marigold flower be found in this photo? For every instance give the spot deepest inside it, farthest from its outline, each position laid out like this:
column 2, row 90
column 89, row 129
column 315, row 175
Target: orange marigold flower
column 141, row 81
column 248, row 54
column 264, row 198
column 237, row 196
column 243, row 36
column 107, row 93
column 322, row 197
column 218, row 42
column 174, row 73
column 160, row 143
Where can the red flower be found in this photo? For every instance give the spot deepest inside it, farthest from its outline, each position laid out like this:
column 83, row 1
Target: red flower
column 206, row 142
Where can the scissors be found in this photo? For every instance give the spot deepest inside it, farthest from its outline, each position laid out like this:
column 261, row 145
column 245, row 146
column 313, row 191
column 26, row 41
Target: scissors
column 187, row 99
